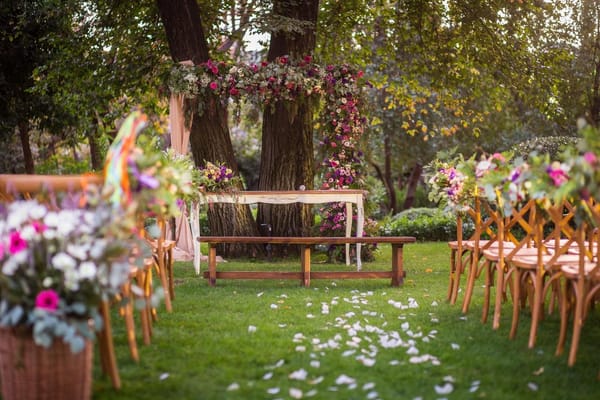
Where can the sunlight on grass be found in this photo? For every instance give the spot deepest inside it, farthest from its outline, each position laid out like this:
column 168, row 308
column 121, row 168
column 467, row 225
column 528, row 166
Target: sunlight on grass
column 343, row 339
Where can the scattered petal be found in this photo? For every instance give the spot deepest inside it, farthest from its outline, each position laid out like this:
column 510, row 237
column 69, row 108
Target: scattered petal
column 539, row 371
column 273, row 390
column 368, row 386
column 300, row 374
column 316, row 381
column 310, row 393
column 274, row 306
column 300, row 349
column 372, row 395
column 455, row 346
column 309, row 316
column 434, row 304
column 446, row 388
column 251, row 328
column 315, row 363
column 533, row 386
column 344, row 380
column 163, row 376
column 233, row 386
column 260, row 294
column 295, row 393
column 267, row 376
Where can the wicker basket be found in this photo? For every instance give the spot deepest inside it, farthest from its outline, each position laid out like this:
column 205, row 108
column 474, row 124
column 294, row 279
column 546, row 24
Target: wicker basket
column 29, row 371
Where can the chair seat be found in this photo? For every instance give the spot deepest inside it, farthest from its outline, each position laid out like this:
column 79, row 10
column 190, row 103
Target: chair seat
column 571, row 271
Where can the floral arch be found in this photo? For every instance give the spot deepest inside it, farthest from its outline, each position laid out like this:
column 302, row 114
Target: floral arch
column 336, row 86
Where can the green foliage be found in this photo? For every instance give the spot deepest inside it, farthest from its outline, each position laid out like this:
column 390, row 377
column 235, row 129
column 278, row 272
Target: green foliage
column 58, row 164
column 426, row 224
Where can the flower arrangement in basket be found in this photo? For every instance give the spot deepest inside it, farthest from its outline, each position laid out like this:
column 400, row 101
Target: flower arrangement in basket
column 217, row 177
column 57, row 264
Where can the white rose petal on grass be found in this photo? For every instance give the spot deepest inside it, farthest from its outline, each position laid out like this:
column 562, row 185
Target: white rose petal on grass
column 434, row 304
column 301, row 349
column 310, row 393
column 455, row 346
column 315, row 363
column 273, row 390
column 412, row 351
column 372, row 395
column 317, row 380
column 368, row 386
column 309, row 316
column 533, row 386
column 163, row 376
column 251, row 328
column 296, row 393
column 446, row 388
column 274, row 306
column 299, row 375
column 233, row 386
column 267, row 376
column 344, row 380
column 260, row 294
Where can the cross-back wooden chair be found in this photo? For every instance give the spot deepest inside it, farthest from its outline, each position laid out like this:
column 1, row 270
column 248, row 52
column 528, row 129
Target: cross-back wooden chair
column 461, row 249
column 535, row 273
column 581, row 284
column 484, row 237
column 496, row 265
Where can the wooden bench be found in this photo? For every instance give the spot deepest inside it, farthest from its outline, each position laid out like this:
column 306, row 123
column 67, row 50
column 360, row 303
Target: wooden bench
column 305, row 275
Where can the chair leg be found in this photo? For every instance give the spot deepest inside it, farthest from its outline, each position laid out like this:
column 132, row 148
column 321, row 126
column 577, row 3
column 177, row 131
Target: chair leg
column 127, row 310
column 106, row 347
column 452, row 275
column 516, row 303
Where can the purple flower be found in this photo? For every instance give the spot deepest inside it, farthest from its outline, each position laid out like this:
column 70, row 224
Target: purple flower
column 148, row 182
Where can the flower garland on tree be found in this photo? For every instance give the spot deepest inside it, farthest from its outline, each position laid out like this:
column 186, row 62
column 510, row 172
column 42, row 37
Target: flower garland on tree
column 267, row 83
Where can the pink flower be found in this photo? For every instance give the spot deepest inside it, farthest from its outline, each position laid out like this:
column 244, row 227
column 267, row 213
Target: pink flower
column 38, row 226
column 16, row 243
column 213, row 85
column 590, row 157
column 557, row 175
column 47, row 300
column 1, row 251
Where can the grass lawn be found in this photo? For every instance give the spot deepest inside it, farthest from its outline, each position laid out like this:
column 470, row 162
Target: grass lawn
column 345, row 339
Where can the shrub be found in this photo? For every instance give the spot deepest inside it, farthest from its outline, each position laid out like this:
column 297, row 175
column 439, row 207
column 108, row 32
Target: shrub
column 426, row 224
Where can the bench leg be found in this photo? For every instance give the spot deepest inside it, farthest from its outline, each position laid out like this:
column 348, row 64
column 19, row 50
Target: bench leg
column 305, row 260
column 212, row 265
column 397, row 265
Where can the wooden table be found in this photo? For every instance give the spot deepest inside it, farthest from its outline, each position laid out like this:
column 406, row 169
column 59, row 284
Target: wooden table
column 347, row 196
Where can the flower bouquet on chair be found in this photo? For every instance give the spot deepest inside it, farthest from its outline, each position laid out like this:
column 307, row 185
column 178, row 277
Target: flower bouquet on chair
column 57, row 265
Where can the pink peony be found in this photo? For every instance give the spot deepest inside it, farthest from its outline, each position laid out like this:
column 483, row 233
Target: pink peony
column 47, row 300
column 213, row 85
column 17, row 243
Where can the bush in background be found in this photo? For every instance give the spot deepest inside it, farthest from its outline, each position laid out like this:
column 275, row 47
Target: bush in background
column 426, row 224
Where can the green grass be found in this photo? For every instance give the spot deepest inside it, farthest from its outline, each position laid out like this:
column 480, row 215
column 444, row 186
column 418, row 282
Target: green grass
column 205, row 347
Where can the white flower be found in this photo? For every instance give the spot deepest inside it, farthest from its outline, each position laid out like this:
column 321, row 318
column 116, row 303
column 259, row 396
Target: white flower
column 63, row 261
column 87, row 270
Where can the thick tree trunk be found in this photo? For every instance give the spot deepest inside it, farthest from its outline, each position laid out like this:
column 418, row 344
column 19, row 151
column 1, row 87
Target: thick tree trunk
column 26, row 146
column 287, row 148
column 411, row 186
column 209, row 134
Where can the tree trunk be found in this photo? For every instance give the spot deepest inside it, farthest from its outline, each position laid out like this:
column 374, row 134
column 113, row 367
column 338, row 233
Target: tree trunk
column 287, row 147
column 387, row 176
column 411, row 186
column 26, row 146
column 209, row 134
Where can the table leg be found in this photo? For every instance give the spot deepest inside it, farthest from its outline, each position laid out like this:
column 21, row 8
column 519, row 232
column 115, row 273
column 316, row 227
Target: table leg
column 212, row 264
column 305, row 261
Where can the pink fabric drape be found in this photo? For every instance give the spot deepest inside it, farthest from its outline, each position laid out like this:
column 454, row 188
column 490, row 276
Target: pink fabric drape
column 180, row 138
